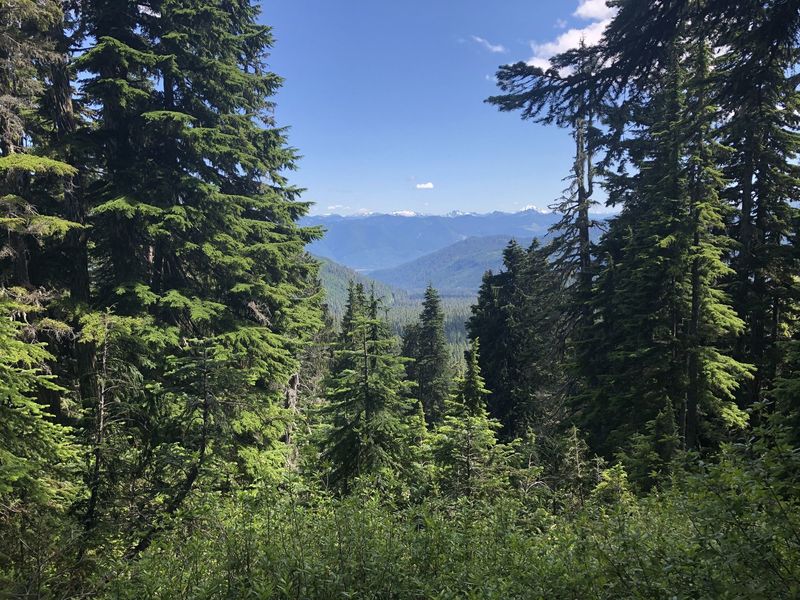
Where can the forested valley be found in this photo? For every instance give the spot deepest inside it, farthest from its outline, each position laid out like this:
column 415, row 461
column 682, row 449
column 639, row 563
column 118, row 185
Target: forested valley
column 182, row 417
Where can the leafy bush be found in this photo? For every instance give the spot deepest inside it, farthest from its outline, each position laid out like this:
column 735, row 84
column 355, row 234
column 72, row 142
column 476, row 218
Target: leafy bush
column 720, row 533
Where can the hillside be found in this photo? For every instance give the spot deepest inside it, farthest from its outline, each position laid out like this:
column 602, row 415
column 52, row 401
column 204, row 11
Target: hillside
column 336, row 278
column 455, row 270
column 372, row 242
column 402, row 309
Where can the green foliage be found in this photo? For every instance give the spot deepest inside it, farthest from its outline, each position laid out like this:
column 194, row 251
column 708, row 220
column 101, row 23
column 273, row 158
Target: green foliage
column 178, row 417
column 650, row 457
column 469, row 460
column 401, row 309
column 519, row 317
column 425, row 343
column 370, row 429
column 37, row 455
column 722, row 535
column 335, row 279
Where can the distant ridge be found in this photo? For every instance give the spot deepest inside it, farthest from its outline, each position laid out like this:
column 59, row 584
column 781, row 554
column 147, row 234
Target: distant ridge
column 336, row 278
column 381, row 241
column 455, row 270
column 401, row 309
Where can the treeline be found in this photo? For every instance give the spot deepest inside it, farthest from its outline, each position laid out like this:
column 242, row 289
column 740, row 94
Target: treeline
column 179, row 417
column 682, row 318
column 154, row 287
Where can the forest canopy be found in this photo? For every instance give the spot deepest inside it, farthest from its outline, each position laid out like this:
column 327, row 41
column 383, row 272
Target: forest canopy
column 183, row 416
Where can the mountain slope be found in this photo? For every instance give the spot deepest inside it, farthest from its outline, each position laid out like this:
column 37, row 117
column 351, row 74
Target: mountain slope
column 336, row 278
column 401, row 309
column 455, row 270
column 386, row 241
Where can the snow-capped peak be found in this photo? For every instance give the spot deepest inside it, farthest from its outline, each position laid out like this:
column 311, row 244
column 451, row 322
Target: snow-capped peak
column 533, row 207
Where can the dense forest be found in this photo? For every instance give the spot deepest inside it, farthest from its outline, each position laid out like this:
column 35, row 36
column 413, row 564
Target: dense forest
column 181, row 416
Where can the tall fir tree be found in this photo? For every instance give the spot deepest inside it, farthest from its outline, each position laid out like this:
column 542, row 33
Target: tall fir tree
column 543, row 322
column 194, row 244
column 371, row 425
column 491, row 322
column 759, row 97
column 664, row 321
column 564, row 94
column 465, row 446
column 426, row 344
column 38, row 457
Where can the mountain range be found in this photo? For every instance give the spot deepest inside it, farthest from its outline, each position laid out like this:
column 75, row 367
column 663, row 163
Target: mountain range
column 384, row 241
column 336, row 278
column 455, row 270
column 398, row 255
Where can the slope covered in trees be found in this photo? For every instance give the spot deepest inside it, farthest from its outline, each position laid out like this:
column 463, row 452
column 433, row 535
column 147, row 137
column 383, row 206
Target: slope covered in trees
column 180, row 416
column 336, row 278
column 455, row 270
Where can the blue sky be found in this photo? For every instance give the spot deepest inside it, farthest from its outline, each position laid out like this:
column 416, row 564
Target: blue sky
column 385, row 101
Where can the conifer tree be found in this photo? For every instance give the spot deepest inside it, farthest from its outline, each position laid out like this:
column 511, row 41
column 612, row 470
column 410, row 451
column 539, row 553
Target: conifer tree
column 752, row 86
column 31, row 184
column 522, row 315
column 759, row 98
column 542, row 321
column 663, row 316
column 371, row 424
column 491, row 322
column 564, row 94
column 653, row 330
column 425, row 343
column 465, row 442
column 649, row 460
column 38, row 457
column 194, row 243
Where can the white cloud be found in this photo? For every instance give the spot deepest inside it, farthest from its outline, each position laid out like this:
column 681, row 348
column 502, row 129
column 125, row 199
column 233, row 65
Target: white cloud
column 539, row 61
column 561, row 24
column 425, row 186
column 571, row 38
column 495, row 48
column 146, row 10
column 594, row 10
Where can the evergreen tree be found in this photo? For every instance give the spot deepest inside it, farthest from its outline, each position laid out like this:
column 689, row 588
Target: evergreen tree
column 541, row 320
column 465, row 442
column 561, row 274
column 663, row 316
column 25, row 48
column 193, row 237
column 37, row 453
column 32, row 185
column 649, row 460
column 565, row 95
column 425, row 343
column 521, row 314
column 491, row 322
column 38, row 457
column 759, row 98
column 647, row 330
column 371, row 425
